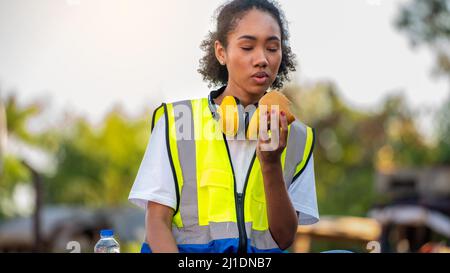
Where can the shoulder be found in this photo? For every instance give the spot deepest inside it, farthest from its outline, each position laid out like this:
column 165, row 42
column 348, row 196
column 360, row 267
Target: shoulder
column 156, row 116
column 299, row 127
column 173, row 107
column 300, row 130
column 301, row 139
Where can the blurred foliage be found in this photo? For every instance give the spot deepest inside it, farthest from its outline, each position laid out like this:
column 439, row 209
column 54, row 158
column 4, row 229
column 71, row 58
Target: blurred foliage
column 97, row 166
column 94, row 166
column 17, row 118
column 428, row 22
column 131, row 247
column 14, row 171
column 352, row 144
column 443, row 133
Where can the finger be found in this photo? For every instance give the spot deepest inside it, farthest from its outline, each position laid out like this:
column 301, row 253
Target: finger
column 284, row 129
column 274, row 120
column 275, row 128
column 263, row 127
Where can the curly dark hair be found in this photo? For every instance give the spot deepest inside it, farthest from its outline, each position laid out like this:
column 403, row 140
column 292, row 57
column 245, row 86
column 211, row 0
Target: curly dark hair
column 227, row 18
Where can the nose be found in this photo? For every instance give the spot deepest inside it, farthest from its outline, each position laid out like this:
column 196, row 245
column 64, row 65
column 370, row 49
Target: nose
column 260, row 58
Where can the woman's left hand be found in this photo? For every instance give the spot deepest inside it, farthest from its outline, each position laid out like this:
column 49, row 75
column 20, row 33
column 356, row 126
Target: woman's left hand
column 269, row 149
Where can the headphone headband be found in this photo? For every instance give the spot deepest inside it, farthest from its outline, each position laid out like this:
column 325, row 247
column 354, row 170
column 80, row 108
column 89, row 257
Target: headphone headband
column 212, row 106
column 243, row 116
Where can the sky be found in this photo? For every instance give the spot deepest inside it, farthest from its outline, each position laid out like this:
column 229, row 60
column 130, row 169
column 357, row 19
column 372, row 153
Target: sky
column 86, row 56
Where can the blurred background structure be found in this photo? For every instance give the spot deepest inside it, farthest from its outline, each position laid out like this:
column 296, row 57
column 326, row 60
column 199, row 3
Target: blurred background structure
column 79, row 80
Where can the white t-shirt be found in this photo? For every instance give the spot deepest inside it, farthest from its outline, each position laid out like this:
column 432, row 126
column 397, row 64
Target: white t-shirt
column 154, row 181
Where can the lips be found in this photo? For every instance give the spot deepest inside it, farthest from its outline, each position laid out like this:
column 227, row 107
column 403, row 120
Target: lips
column 260, row 77
column 260, row 74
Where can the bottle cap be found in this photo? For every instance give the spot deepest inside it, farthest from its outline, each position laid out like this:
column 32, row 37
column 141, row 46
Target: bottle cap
column 106, row 233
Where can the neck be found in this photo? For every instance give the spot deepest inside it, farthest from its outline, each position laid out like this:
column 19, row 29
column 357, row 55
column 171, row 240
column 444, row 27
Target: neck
column 244, row 97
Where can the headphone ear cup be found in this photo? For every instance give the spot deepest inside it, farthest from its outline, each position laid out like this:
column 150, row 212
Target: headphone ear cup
column 253, row 125
column 229, row 116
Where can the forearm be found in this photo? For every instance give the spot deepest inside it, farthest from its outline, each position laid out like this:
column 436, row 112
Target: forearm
column 159, row 234
column 282, row 217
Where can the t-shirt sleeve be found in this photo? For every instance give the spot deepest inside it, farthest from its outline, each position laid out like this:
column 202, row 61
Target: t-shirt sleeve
column 302, row 192
column 154, row 181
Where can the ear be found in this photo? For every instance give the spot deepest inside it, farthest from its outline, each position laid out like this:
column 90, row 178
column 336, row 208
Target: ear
column 220, row 52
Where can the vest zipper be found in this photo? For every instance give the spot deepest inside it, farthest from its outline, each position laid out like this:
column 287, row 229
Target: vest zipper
column 240, row 197
column 241, row 223
column 242, row 201
column 239, row 201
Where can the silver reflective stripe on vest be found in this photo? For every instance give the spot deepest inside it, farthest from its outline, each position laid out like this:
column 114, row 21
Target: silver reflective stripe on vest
column 294, row 150
column 184, row 125
column 262, row 239
column 204, row 234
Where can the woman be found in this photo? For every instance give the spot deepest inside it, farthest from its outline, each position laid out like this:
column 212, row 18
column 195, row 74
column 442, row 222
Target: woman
column 227, row 194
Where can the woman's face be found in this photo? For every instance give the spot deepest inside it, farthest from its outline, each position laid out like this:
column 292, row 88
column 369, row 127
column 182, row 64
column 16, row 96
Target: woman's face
column 253, row 55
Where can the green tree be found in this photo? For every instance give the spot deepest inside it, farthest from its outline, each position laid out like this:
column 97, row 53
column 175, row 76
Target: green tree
column 351, row 145
column 14, row 171
column 442, row 149
column 427, row 22
column 97, row 166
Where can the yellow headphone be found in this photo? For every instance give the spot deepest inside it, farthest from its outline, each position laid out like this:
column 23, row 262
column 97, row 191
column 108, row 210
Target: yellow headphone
column 234, row 120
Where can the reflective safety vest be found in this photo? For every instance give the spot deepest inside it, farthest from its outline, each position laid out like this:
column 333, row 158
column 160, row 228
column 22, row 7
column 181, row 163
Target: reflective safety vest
column 210, row 215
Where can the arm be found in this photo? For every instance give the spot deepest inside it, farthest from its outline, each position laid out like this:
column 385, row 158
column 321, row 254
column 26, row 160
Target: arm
column 282, row 217
column 159, row 228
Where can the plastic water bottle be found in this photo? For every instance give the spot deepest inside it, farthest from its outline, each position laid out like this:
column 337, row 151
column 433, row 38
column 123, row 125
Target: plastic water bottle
column 107, row 243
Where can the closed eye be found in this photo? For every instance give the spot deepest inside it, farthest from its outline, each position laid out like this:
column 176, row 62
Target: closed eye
column 270, row 49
